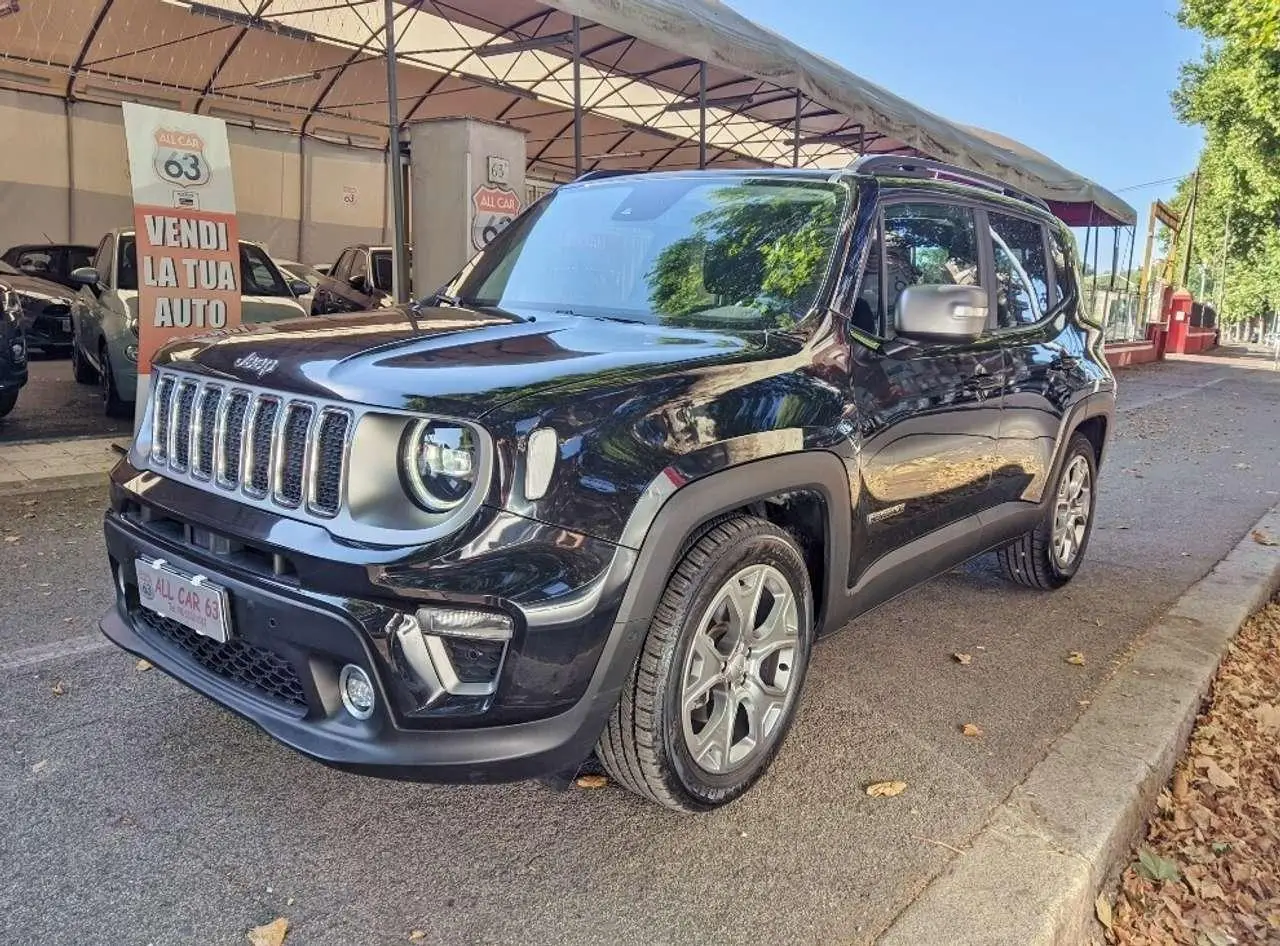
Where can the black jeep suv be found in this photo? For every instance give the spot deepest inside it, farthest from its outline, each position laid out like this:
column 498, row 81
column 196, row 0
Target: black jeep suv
column 605, row 489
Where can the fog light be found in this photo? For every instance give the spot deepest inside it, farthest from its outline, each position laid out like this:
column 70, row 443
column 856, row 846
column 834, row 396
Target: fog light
column 131, row 353
column 19, row 350
column 357, row 691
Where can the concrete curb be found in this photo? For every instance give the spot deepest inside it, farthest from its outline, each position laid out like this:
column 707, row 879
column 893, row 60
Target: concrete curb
column 1031, row 875
column 49, row 484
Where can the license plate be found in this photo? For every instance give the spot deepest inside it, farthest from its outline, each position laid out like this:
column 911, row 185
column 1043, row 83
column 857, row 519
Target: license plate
column 66, row 325
column 191, row 600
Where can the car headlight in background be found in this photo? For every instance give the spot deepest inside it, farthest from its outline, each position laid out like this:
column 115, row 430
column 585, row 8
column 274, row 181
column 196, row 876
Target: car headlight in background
column 440, row 461
column 12, row 306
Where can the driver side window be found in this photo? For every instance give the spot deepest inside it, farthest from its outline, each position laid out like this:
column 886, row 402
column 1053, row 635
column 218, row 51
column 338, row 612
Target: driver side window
column 928, row 244
column 102, row 260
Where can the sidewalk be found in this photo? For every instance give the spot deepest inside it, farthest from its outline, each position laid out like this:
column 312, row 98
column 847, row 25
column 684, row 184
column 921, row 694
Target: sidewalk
column 58, row 464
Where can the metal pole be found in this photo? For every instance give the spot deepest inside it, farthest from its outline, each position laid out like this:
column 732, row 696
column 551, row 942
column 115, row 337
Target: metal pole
column 577, row 97
column 1134, row 302
column 702, row 115
column 1222, row 265
column 795, row 141
column 399, row 280
column 1191, row 227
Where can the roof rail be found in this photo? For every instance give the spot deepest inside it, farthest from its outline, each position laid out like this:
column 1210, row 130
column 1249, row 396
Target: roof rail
column 892, row 165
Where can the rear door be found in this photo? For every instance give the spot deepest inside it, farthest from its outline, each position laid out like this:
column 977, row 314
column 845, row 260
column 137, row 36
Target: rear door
column 929, row 413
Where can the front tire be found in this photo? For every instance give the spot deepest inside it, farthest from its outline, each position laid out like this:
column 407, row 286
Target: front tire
column 1049, row 555
column 112, row 404
column 8, row 401
column 81, row 370
column 719, row 675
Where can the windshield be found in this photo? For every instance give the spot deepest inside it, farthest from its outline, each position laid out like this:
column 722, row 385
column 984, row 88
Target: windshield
column 258, row 275
column 701, row 252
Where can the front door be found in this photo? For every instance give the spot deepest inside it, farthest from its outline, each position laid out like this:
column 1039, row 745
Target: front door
column 929, row 414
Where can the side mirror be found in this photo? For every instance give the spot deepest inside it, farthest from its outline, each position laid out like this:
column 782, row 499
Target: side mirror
column 85, row 276
column 357, row 283
column 299, row 287
column 942, row 313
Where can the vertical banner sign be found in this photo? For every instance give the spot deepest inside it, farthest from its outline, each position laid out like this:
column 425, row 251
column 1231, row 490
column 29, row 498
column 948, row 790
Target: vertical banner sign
column 184, row 217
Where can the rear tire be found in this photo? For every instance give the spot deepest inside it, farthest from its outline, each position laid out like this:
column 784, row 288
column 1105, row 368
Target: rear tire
column 81, row 370
column 8, row 401
column 719, row 675
column 1049, row 555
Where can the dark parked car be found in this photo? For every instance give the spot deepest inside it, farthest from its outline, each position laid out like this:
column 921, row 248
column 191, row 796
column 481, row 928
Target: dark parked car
column 51, row 261
column 45, row 314
column 606, row 489
column 13, row 345
column 361, row 279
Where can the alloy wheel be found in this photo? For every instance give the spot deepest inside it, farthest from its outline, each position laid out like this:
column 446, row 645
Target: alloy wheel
column 739, row 673
column 1071, row 512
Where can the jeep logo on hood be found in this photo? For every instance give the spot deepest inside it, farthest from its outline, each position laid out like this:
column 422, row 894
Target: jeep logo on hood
column 259, row 365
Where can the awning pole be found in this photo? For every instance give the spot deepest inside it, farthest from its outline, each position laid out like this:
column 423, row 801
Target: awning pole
column 702, row 115
column 399, row 282
column 577, row 97
column 795, row 141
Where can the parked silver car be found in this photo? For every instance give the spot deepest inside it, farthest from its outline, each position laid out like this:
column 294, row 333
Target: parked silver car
column 104, row 315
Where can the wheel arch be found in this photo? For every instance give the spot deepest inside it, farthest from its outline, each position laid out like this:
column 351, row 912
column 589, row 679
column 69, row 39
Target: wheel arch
column 805, row 493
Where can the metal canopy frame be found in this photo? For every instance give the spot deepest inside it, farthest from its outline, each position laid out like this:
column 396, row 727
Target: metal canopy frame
column 632, row 96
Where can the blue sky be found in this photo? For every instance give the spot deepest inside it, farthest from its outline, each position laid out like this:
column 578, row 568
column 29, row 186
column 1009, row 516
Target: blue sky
column 1086, row 82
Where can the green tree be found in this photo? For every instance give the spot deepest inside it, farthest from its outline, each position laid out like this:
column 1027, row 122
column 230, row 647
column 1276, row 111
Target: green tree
column 1233, row 93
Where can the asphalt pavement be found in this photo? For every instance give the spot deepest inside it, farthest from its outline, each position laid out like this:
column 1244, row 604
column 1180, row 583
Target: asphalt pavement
column 53, row 406
column 136, row 812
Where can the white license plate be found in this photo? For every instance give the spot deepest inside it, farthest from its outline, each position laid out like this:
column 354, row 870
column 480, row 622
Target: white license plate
column 66, row 325
column 191, row 600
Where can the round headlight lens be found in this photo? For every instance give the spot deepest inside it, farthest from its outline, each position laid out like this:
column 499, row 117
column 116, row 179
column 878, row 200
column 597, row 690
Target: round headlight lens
column 441, row 461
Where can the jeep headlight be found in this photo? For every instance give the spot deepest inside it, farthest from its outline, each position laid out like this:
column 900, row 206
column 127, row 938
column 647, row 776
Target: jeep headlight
column 440, row 461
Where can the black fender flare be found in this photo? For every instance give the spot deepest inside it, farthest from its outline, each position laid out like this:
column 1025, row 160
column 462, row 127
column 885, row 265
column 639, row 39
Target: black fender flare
column 667, row 516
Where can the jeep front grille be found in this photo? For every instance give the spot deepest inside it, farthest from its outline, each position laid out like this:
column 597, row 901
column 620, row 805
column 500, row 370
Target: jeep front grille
column 266, row 447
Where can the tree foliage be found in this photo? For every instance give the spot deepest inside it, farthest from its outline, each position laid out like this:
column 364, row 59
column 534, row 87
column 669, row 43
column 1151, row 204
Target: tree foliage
column 1233, row 93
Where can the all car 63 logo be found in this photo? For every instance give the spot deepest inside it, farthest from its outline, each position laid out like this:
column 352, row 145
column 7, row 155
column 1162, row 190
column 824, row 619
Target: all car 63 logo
column 180, row 158
column 495, row 208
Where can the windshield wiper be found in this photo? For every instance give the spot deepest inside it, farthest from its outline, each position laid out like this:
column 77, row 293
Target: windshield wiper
column 603, row 318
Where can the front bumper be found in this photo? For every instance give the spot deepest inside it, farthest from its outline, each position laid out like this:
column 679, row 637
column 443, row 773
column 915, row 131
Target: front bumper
column 560, row 679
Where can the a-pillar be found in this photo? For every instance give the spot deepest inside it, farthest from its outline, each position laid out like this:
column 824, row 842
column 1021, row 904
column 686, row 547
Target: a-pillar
column 467, row 183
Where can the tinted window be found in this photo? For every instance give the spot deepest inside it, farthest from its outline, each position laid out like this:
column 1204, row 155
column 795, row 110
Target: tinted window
column 382, row 271
column 258, row 275
column 36, row 262
column 78, row 256
column 701, row 251
column 102, row 260
column 127, row 277
column 1022, row 273
column 928, row 244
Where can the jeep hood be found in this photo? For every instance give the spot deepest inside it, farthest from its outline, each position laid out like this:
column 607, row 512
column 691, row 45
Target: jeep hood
column 450, row 360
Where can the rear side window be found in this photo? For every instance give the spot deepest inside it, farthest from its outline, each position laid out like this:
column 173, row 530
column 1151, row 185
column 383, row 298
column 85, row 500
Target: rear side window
column 928, row 244
column 102, row 260
column 36, row 262
column 1022, row 272
column 258, row 275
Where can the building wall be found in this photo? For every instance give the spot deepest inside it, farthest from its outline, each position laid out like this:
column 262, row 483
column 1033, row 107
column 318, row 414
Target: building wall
column 64, row 176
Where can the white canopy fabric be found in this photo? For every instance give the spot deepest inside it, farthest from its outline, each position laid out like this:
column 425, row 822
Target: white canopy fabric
column 317, row 68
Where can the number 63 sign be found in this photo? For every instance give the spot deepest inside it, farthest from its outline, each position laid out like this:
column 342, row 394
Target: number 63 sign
column 180, row 158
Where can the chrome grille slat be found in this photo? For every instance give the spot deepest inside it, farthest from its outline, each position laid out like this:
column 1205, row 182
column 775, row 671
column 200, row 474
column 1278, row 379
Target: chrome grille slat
column 288, row 452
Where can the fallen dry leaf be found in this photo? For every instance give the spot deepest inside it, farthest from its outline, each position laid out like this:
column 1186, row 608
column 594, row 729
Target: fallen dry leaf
column 1103, row 909
column 963, row 659
column 1267, row 716
column 40, row 766
column 591, row 781
column 58, row 688
column 1263, row 538
column 270, row 934
column 886, row 789
column 1076, row 658
column 143, row 664
column 972, row 730
column 1181, row 785
column 1220, row 778
column 12, row 538
column 417, row 936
